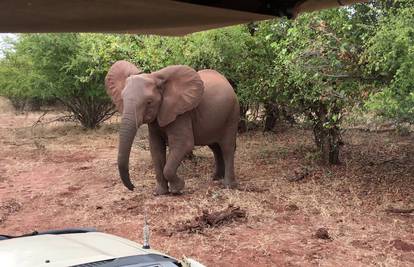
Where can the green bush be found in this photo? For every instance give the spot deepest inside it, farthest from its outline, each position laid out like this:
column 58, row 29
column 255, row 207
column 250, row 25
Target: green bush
column 390, row 60
column 68, row 67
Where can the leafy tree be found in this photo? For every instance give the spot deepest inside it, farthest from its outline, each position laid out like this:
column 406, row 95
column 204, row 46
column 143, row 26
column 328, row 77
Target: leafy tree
column 68, row 67
column 390, row 59
column 17, row 77
column 268, row 75
column 317, row 69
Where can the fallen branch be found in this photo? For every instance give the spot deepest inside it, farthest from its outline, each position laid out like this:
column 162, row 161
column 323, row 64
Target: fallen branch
column 64, row 118
column 399, row 211
column 213, row 219
column 363, row 129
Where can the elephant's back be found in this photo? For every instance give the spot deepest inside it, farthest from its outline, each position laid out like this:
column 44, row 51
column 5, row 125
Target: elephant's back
column 216, row 84
column 218, row 109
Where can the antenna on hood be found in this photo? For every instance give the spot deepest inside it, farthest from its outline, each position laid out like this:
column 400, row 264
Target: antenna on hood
column 146, row 232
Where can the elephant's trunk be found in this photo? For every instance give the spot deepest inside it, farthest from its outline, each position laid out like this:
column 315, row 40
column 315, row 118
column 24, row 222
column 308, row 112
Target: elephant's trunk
column 129, row 127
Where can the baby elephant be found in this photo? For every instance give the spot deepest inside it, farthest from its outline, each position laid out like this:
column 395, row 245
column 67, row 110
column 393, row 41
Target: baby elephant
column 182, row 108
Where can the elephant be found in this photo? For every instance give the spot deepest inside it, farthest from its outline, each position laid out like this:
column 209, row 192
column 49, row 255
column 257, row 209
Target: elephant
column 183, row 108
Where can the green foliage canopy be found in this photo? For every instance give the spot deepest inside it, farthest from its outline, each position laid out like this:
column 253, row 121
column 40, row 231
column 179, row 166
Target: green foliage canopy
column 317, row 66
column 390, row 59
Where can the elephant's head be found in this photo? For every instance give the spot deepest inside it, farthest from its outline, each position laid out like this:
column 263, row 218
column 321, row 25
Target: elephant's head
column 144, row 98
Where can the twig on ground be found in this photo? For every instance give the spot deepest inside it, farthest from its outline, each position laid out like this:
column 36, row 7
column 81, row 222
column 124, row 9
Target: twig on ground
column 400, row 211
column 39, row 120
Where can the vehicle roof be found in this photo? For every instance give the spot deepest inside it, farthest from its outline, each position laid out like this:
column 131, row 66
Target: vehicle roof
column 163, row 17
column 66, row 249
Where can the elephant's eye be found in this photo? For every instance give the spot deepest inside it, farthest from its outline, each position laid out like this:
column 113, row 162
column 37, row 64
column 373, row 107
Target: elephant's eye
column 149, row 102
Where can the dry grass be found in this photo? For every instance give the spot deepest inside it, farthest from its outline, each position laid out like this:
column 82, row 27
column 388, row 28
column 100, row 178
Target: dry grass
column 69, row 178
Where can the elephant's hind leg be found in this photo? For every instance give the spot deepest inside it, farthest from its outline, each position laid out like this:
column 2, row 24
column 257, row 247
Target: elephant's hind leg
column 219, row 162
column 228, row 147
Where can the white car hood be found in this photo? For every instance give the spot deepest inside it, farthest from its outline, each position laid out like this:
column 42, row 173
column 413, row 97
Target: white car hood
column 66, row 249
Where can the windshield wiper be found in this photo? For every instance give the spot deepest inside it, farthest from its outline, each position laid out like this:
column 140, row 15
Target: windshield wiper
column 147, row 260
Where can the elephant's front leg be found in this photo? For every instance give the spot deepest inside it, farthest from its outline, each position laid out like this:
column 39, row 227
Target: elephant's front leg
column 158, row 151
column 180, row 142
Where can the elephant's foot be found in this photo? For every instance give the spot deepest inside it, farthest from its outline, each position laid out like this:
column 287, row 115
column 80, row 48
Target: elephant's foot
column 161, row 190
column 162, row 187
column 176, row 186
column 230, row 184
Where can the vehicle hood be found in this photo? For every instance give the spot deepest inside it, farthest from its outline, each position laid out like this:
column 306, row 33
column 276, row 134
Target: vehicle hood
column 66, row 249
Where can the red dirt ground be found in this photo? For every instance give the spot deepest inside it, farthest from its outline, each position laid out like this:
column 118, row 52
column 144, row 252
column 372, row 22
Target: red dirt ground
column 57, row 175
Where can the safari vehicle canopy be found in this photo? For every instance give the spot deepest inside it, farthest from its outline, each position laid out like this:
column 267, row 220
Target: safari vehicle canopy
column 163, row 17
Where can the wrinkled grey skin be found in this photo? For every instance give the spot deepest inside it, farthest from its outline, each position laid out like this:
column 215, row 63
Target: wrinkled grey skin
column 207, row 115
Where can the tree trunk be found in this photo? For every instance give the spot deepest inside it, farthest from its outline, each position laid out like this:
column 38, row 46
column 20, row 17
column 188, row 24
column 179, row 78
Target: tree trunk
column 33, row 104
column 327, row 139
column 18, row 103
column 89, row 111
column 287, row 115
column 242, row 128
column 271, row 116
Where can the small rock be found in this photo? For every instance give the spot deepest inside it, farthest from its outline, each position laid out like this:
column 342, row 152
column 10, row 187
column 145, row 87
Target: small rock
column 292, row 207
column 299, row 174
column 322, row 233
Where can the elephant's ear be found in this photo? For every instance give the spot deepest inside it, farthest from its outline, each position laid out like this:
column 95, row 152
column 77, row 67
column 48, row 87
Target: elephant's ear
column 116, row 78
column 182, row 89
